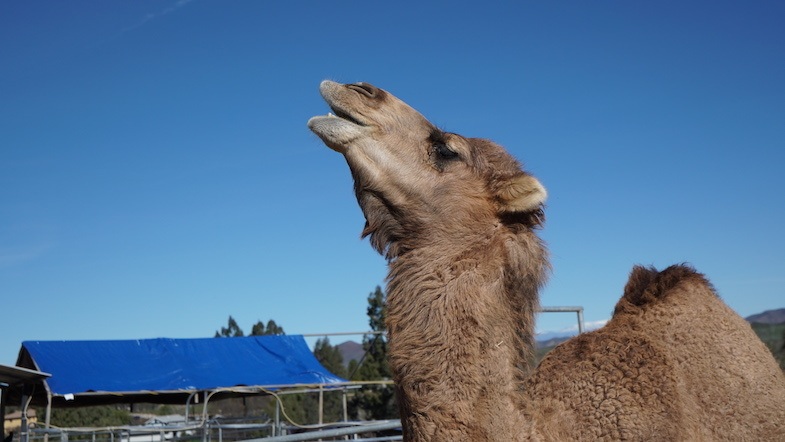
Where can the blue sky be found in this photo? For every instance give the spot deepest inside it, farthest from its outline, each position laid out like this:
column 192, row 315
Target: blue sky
column 157, row 175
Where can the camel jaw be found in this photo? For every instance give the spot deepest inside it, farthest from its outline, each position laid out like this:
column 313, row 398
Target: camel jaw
column 339, row 130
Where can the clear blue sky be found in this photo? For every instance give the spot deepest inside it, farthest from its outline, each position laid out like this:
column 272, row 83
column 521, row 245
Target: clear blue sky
column 157, row 175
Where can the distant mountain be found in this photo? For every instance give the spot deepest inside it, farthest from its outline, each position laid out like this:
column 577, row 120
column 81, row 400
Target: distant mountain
column 350, row 350
column 553, row 338
column 768, row 317
column 552, row 342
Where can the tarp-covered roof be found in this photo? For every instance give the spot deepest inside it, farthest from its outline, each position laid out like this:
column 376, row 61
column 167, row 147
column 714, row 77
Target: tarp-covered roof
column 170, row 366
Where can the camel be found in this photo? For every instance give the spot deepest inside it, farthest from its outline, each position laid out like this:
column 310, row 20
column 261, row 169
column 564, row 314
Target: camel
column 456, row 218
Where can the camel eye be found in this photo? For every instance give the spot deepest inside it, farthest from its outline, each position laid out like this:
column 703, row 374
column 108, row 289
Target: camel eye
column 440, row 152
column 445, row 153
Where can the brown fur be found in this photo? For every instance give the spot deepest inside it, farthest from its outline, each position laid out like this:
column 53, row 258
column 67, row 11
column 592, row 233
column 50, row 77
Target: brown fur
column 673, row 363
column 455, row 217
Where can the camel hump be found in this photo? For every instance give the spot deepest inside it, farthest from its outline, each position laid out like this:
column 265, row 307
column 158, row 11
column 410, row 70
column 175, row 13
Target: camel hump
column 647, row 286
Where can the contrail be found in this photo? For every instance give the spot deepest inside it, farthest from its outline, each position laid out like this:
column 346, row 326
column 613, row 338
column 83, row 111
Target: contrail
column 152, row 16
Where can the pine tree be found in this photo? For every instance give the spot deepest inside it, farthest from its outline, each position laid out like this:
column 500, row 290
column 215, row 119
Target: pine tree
column 260, row 329
column 330, row 357
column 374, row 401
column 230, row 331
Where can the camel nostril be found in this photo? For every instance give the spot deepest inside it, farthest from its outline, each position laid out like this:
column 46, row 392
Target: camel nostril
column 364, row 88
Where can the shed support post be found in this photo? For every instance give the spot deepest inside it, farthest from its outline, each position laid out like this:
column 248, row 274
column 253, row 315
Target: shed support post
column 23, row 436
column 345, row 406
column 48, row 416
column 277, row 426
column 321, row 404
column 205, row 418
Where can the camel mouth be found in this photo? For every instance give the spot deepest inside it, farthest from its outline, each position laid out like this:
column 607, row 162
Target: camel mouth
column 342, row 114
column 339, row 99
column 343, row 125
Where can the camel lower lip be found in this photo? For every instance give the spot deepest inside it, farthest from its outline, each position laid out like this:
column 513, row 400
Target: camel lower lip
column 336, row 132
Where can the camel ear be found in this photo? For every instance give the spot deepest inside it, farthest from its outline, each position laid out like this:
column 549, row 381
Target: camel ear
column 521, row 194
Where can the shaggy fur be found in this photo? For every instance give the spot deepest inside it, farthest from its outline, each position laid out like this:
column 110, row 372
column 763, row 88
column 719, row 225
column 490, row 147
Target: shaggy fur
column 673, row 363
column 455, row 217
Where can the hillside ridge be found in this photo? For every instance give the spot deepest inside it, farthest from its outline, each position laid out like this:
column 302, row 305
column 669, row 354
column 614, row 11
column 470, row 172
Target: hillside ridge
column 776, row 316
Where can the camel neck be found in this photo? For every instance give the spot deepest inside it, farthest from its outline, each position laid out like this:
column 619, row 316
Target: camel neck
column 459, row 334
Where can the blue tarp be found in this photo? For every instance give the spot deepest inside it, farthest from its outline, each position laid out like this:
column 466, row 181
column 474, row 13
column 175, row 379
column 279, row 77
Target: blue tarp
column 171, row 365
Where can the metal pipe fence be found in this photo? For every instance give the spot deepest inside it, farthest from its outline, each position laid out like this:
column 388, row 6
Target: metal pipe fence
column 212, row 432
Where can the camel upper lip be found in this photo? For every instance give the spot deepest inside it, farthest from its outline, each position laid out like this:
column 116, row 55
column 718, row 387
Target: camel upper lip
column 332, row 93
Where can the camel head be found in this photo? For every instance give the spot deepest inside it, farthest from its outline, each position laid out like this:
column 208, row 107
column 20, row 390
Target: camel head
column 416, row 183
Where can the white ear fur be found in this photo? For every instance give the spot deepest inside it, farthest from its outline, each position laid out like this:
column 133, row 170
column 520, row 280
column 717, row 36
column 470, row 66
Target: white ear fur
column 523, row 193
